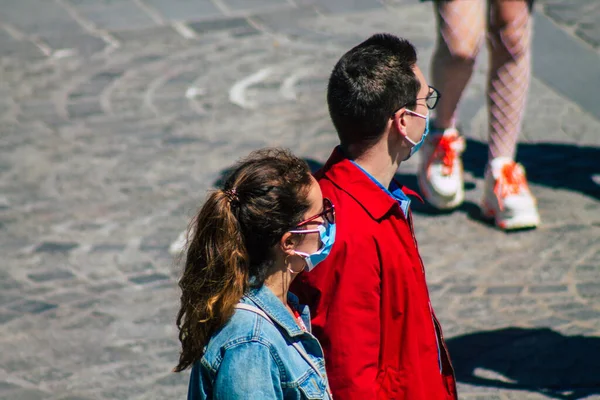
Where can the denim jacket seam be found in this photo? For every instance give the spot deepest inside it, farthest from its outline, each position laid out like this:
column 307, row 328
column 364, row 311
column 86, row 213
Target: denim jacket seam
column 292, row 331
column 297, row 383
column 211, row 367
column 272, row 351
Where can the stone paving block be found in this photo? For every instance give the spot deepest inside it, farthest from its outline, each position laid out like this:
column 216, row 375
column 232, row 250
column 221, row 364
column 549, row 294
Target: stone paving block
column 20, row 49
column 5, row 386
column 97, row 3
column 343, row 6
column 565, row 306
column 587, row 272
column 7, row 316
column 590, row 33
column 590, row 290
column 84, row 43
column 550, row 322
column 504, row 290
column 118, row 16
column 66, row 297
column 105, row 287
column 584, row 314
column 153, row 36
column 228, row 24
column 567, row 14
column 37, row 17
column 56, row 247
column 462, row 289
column 124, row 392
column 8, row 297
column 433, row 288
column 25, row 394
column 93, row 320
column 51, row 275
column 41, row 110
column 151, row 278
column 107, row 248
column 96, row 84
column 85, row 108
column 545, row 289
column 32, row 307
column 186, row 10
column 287, row 21
column 254, row 6
column 173, row 379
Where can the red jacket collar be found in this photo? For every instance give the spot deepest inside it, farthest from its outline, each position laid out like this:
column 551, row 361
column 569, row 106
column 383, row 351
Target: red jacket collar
column 349, row 178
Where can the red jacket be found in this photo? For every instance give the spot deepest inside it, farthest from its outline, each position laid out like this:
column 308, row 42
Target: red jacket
column 369, row 300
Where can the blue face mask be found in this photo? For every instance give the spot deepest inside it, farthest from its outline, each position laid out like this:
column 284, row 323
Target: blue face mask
column 327, row 235
column 417, row 145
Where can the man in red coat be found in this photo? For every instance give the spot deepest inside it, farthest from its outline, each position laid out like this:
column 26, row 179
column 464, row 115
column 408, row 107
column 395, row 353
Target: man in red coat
column 369, row 299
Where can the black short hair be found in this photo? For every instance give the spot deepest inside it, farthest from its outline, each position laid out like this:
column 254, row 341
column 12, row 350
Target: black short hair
column 368, row 84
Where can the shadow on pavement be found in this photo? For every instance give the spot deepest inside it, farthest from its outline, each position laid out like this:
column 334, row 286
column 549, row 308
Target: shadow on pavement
column 536, row 360
column 558, row 166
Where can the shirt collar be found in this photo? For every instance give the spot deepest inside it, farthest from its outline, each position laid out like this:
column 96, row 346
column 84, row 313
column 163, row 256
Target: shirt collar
column 394, row 191
column 366, row 190
column 266, row 300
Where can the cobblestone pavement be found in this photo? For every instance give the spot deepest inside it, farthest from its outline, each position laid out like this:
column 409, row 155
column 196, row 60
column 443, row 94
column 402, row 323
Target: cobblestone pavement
column 580, row 18
column 116, row 116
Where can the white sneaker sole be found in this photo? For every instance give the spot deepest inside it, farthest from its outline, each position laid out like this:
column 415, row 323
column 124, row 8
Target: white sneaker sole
column 507, row 223
column 438, row 201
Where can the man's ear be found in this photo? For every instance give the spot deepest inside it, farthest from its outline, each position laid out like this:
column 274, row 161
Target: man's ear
column 399, row 121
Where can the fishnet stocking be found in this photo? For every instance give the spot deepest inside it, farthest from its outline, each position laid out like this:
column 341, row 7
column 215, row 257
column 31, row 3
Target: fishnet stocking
column 461, row 26
column 509, row 40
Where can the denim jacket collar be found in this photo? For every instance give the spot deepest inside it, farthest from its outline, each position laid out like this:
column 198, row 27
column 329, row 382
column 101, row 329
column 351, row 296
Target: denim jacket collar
column 266, row 300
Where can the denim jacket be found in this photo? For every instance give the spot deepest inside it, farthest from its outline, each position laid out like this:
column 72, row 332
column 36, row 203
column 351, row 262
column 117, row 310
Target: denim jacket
column 261, row 354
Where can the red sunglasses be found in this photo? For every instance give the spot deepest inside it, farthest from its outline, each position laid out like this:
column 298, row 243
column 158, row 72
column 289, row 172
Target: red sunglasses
column 328, row 213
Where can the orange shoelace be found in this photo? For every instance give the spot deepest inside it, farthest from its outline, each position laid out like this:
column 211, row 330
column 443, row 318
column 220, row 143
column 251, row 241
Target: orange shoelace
column 512, row 181
column 447, row 150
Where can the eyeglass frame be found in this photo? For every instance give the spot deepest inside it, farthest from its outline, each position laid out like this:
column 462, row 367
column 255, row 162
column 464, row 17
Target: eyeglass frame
column 326, row 209
column 432, row 91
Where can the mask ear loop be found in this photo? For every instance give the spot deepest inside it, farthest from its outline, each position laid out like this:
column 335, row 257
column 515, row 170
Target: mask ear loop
column 287, row 263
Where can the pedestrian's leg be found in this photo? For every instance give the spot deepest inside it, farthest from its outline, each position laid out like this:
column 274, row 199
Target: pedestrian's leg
column 510, row 66
column 507, row 197
column 461, row 24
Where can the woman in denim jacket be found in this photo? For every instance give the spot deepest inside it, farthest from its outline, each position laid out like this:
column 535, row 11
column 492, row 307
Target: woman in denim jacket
column 244, row 335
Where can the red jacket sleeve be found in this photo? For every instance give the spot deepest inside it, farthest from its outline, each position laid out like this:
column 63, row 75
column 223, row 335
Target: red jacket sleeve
column 352, row 325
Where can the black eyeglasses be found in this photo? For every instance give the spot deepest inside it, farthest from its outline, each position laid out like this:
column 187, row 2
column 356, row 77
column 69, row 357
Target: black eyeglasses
column 432, row 98
column 430, row 101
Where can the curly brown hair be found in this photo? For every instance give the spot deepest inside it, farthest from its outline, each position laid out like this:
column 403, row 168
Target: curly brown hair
column 230, row 249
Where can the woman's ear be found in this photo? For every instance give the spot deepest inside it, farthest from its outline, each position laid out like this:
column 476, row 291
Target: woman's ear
column 288, row 243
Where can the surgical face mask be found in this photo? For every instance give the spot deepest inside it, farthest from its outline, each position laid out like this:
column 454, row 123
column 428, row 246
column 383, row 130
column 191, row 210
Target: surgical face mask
column 417, row 145
column 327, row 235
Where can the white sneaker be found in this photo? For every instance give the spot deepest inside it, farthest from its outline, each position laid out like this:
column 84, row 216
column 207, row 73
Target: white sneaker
column 440, row 174
column 507, row 198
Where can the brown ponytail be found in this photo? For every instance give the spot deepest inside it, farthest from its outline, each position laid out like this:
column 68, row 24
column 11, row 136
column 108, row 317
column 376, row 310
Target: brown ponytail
column 215, row 276
column 234, row 232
